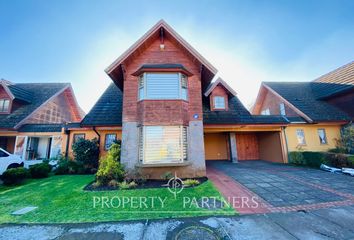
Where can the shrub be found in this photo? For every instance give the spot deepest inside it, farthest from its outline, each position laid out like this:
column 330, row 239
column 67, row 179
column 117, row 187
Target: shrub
column 126, row 185
column 167, row 175
column 135, row 175
column 68, row 166
column 109, row 168
column 114, row 150
column 113, row 183
column 191, row 182
column 307, row 158
column 86, row 152
column 314, row 159
column 15, row 176
column 41, row 170
column 339, row 160
column 296, row 158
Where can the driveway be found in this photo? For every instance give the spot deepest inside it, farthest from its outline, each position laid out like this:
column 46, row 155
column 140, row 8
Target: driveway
column 286, row 188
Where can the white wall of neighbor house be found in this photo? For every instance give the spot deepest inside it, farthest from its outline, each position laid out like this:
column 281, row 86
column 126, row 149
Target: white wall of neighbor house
column 42, row 147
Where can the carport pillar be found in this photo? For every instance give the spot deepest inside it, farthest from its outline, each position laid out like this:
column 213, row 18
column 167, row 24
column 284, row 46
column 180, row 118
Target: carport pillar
column 233, row 148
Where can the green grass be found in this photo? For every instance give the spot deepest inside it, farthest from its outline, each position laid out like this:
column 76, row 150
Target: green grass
column 61, row 199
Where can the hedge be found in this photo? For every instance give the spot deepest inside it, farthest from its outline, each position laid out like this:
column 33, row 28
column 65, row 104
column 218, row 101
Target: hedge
column 315, row 159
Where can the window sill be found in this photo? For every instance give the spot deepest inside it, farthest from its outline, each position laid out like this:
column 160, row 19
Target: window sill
column 152, row 100
column 150, row 165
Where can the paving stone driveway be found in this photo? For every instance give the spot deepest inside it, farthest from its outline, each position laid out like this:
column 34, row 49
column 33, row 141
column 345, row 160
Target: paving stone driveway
column 284, row 186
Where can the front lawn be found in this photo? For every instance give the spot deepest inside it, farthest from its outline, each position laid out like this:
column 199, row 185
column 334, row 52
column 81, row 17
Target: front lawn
column 61, row 199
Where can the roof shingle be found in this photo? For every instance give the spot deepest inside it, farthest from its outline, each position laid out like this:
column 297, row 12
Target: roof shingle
column 40, row 93
column 304, row 96
column 108, row 109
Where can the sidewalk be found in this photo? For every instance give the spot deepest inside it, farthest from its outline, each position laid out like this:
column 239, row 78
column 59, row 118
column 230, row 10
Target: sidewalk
column 332, row 223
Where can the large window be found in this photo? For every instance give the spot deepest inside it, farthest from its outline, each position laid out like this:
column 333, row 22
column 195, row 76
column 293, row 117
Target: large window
column 4, row 105
column 219, row 102
column 109, row 140
column 163, row 144
column 163, row 86
column 300, row 136
column 282, row 109
column 322, row 136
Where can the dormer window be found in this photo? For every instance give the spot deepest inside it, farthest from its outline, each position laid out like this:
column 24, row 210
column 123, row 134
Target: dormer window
column 163, row 86
column 4, row 105
column 219, row 102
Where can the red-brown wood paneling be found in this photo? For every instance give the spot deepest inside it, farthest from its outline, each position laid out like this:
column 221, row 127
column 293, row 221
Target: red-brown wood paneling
column 247, row 146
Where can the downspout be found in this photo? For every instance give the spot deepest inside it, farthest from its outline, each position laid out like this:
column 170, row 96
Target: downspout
column 67, row 133
column 99, row 136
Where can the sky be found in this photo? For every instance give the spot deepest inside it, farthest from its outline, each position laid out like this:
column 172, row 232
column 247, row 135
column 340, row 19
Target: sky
column 247, row 41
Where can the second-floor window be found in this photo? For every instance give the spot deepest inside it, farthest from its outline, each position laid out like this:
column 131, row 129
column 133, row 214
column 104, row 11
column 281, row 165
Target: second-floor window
column 163, row 86
column 219, row 102
column 4, row 105
column 282, row 109
column 265, row 112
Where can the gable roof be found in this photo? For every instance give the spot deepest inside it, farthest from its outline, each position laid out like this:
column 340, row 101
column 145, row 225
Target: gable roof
column 236, row 114
column 302, row 97
column 335, row 82
column 108, row 109
column 16, row 92
column 115, row 70
column 40, row 94
column 216, row 83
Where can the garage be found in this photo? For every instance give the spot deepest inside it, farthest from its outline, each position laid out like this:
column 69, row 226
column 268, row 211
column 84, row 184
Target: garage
column 253, row 145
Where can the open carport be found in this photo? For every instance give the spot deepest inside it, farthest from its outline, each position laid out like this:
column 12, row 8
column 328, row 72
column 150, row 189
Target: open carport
column 245, row 143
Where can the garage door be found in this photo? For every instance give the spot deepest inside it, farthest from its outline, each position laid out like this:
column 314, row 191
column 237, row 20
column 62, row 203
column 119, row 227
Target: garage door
column 247, row 146
column 216, row 146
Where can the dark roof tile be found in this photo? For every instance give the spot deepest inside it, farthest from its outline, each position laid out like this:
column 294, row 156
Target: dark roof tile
column 304, row 96
column 108, row 109
column 40, row 92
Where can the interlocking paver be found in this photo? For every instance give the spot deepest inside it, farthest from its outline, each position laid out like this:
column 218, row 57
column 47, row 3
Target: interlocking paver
column 288, row 186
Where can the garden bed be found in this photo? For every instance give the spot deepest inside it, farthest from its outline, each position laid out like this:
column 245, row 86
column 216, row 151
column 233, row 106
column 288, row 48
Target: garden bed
column 148, row 184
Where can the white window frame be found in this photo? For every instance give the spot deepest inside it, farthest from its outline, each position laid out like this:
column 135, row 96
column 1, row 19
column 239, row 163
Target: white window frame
column 215, row 102
column 183, row 145
column 298, row 137
column 2, row 105
column 282, row 109
column 143, row 95
column 325, row 136
column 265, row 112
column 106, row 145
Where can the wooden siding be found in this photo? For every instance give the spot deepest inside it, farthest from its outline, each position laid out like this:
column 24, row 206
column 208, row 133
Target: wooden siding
column 216, row 146
column 247, row 146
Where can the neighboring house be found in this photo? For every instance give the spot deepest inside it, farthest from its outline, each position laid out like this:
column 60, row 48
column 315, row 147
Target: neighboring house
column 171, row 117
column 316, row 110
column 32, row 117
column 337, row 88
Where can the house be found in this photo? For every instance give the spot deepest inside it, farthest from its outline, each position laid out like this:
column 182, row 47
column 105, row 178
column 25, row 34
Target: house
column 316, row 110
column 337, row 88
column 32, row 117
column 171, row 116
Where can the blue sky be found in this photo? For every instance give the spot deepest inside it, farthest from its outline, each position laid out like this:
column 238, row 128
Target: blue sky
column 247, row 41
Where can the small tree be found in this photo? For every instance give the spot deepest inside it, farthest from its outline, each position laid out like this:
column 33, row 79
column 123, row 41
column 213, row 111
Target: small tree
column 346, row 143
column 110, row 167
column 86, row 152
